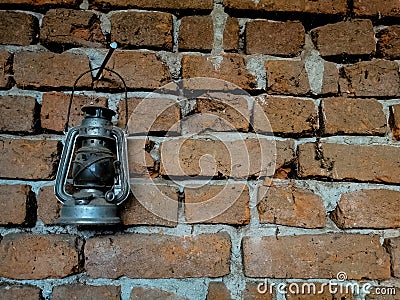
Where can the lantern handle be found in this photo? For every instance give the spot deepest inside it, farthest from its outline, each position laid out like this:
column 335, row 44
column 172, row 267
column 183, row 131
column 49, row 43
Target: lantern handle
column 101, row 68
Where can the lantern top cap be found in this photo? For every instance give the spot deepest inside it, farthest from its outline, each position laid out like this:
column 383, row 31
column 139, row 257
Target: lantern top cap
column 93, row 111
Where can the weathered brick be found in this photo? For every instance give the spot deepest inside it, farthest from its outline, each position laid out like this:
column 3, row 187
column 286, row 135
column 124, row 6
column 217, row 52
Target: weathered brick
column 150, row 115
column 316, row 256
column 376, row 78
column 39, row 4
column 196, row 33
column 79, row 291
column 218, row 291
column 237, row 159
column 231, row 34
column 389, row 42
column 317, row 291
column 290, row 206
column 285, row 115
column 350, row 162
column 67, row 28
column 50, row 70
column 54, row 112
column 48, row 206
column 232, row 68
column 140, row 161
column 278, row 38
column 18, row 114
column 251, row 292
column 355, row 37
column 394, row 121
column 18, row 292
column 353, row 116
column 27, row 256
column 18, row 28
column 142, row 29
column 225, row 113
column 140, row 293
column 287, row 77
column 215, row 204
column 14, row 209
column 330, row 80
column 138, row 256
column 5, row 69
column 151, row 204
column 191, row 5
column 384, row 293
column 28, row 159
column 140, row 70
column 393, row 245
column 376, row 8
column 381, row 206
column 326, row 7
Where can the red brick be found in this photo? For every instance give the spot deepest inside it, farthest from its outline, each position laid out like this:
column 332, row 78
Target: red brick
column 140, row 70
column 385, row 293
column 28, row 159
column 50, row 70
column 191, row 5
column 381, row 206
column 376, row 78
column 326, row 7
column 251, row 292
column 394, row 121
column 27, row 256
column 232, row 69
column 218, row 291
column 151, row 204
column 237, row 159
column 18, row 28
column 290, row 206
column 140, row 161
column 330, row 80
column 54, row 112
column 278, row 38
column 350, row 162
column 79, row 291
column 138, row 256
column 48, row 205
column 140, row 293
column 353, row 116
column 316, row 256
column 5, row 69
column 393, row 245
column 355, row 37
column 14, row 209
column 214, row 113
column 69, row 28
column 231, row 34
column 285, row 115
column 150, row 115
column 217, row 204
column 16, row 292
column 142, row 29
column 287, row 77
column 40, row 4
column 389, row 42
column 18, row 114
column 317, row 291
column 196, row 33
column 376, row 8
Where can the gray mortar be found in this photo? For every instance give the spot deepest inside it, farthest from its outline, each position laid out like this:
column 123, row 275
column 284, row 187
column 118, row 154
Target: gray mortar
column 255, row 65
column 84, row 5
column 176, row 23
column 219, row 20
column 314, row 65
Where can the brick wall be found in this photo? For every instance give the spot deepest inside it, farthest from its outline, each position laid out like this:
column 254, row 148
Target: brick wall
column 280, row 167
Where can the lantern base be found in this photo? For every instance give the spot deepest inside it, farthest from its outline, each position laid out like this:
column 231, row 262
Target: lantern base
column 89, row 214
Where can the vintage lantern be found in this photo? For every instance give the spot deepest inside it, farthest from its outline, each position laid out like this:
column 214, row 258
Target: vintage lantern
column 94, row 163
